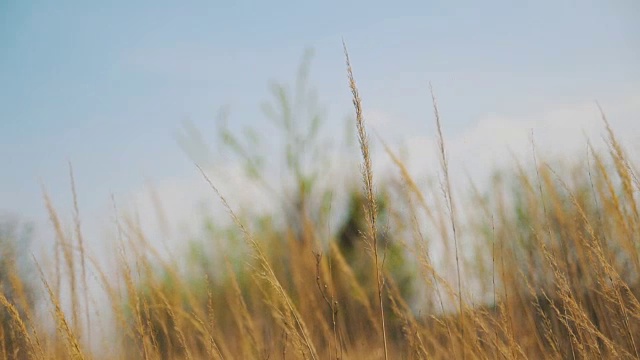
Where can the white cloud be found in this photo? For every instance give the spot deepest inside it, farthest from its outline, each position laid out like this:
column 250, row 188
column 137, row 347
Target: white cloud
column 494, row 140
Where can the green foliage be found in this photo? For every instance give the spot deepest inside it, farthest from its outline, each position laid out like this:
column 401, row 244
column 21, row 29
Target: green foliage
column 351, row 243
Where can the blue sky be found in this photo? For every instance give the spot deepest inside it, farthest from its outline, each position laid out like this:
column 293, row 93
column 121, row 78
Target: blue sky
column 106, row 86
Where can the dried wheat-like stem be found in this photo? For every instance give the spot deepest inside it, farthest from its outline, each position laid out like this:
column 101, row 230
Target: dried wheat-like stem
column 73, row 346
column 444, row 164
column 367, row 176
column 80, row 239
column 14, row 314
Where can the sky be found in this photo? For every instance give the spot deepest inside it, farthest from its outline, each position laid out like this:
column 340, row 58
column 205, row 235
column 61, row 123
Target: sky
column 106, row 85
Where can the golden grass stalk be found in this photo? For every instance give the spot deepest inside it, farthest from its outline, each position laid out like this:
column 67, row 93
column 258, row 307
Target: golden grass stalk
column 22, row 328
column 74, row 350
column 81, row 248
column 444, row 165
column 372, row 208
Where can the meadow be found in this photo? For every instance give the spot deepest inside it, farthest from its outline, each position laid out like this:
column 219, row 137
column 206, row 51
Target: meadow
column 543, row 263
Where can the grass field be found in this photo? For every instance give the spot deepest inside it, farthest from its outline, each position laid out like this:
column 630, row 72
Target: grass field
column 542, row 264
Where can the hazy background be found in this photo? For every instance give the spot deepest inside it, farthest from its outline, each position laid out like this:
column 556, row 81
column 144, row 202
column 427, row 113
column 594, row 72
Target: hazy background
column 106, row 87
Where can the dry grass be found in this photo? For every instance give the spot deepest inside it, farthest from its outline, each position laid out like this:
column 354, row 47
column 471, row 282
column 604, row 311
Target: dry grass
column 546, row 264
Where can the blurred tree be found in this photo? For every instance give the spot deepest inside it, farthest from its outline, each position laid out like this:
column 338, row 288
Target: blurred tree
column 351, row 242
column 304, row 194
